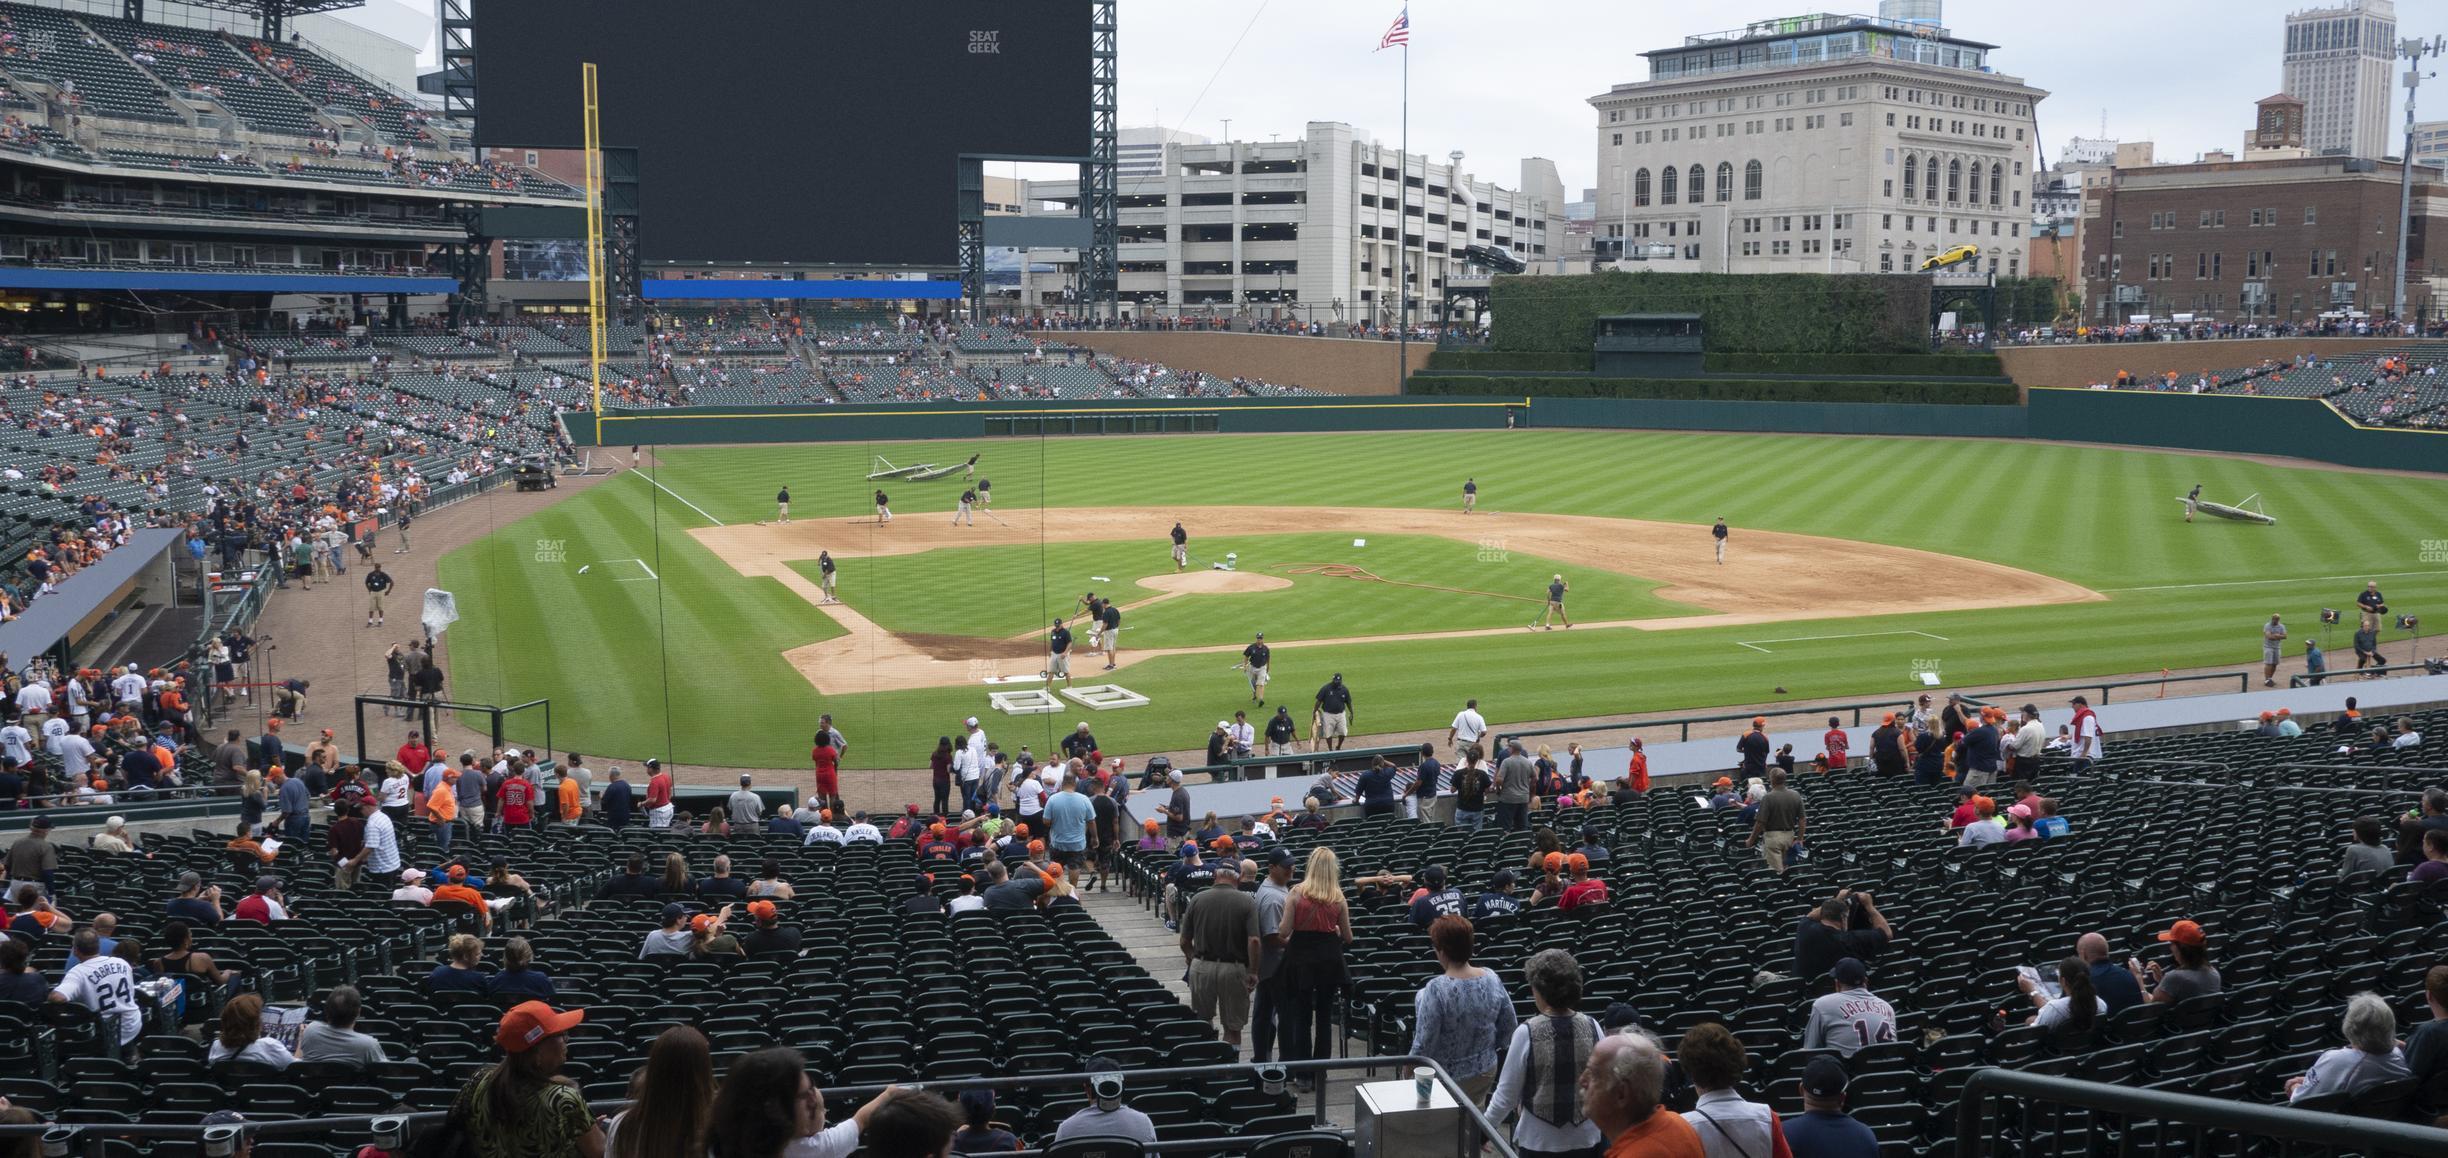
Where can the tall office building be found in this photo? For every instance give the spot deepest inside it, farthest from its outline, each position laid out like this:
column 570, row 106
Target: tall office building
column 1818, row 144
column 2340, row 62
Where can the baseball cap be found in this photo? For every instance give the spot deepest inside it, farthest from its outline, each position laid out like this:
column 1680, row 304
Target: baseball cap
column 1577, row 863
column 458, row 872
column 1149, row 824
column 2268, row 716
column 266, row 883
column 1502, row 880
column 1619, row 1015
column 1554, row 862
column 41, row 822
column 1824, row 1077
column 761, row 910
column 651, row 762
column 909, row 810
column 529, row 1022
column 411, row 876
column 1221, row 724
column 1279, row 855
column 1224, row 844
column 1432, row 876
column 1276, row 801
column 1848, row 971
column 1036, row 846
column 1724, row 782
column 2184, row 933
column 971, row 722
column 923, row 881
column 701, row 923
column 1189, row 850
column 994, row 810
column 1759, row 721
column 672, row 911
column 745, row 780
column 2020, row 812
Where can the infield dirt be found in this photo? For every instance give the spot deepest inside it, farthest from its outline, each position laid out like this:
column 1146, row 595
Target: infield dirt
column 1767, row 576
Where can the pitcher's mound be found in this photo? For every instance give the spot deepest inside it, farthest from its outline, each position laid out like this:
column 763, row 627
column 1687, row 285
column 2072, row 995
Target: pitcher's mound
column 1215, row 582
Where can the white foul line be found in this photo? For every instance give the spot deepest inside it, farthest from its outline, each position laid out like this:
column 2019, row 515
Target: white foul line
column 651, row 577
column 2273, row 582
column 658, row 485
column 1754, row 644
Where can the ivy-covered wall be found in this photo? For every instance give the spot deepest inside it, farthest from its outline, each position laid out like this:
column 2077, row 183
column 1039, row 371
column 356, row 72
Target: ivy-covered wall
column 1763, row 313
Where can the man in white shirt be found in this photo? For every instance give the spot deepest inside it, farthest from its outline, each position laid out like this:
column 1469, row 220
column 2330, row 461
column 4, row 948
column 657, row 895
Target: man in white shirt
column 17, row 744
column 382, row 850
column 2406, row 736
column 1028, row 796
column 861, row 832
column 76, row 755
column 1106, row 1116
column 1468, row 726
column 2086, row 742
column 129, row 687
column 1241, row 736
column 103, row 984
column 34, row 698
column 412, row 887
column 972, row 761
column 823, row 832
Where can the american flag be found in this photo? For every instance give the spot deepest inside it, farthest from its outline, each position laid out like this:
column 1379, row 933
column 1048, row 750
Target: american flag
column 1400, row 33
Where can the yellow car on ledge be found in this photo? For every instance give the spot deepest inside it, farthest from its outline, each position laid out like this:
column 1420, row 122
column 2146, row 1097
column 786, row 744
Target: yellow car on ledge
column 1955, row 256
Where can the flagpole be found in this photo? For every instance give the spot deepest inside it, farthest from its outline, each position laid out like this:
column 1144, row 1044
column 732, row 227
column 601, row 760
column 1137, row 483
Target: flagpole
column 1402, row 251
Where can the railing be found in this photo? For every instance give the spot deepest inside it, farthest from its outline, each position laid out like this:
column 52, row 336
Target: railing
column 2426, row 667
column 393, row 1132
column 1684, row 723
column 2038, row 1115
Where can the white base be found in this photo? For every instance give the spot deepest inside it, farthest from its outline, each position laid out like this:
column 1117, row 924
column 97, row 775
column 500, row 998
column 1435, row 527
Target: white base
column 1105, row 697
column 1035, row 702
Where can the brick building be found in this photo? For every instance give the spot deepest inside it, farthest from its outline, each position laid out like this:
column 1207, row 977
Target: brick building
column 2284, row 239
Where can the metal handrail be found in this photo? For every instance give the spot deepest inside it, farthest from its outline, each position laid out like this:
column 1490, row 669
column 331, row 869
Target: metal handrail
column 2341, row 674
column 2332, row 1132
column 2104, row 687
column 87, row 1139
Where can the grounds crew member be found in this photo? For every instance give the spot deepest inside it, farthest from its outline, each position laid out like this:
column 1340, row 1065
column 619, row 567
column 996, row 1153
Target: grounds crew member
column 1255, row 658
column 375, row 584
column 1332, row 722
column 1181, row 547
column 1058, row 653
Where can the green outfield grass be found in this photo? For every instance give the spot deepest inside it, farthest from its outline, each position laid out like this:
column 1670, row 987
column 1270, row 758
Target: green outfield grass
column 609, row 653
column 1000, row 592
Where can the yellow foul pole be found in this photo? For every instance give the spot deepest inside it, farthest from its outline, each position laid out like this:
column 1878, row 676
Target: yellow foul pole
column 595, row 241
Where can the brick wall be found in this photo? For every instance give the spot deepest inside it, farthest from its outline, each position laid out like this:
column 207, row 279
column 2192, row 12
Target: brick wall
column 1334, row 365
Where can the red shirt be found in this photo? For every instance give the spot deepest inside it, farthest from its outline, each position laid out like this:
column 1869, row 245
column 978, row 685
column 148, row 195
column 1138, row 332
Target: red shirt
column 1837, row 743
column 253, row 907
column 1640, row 772
column 658, row 790
column 827, row 760
column 517, row 800
column 1587, row 892
column 414, row 757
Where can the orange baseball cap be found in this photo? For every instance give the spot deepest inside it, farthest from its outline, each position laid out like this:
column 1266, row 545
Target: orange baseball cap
column 1149, row 824
column 1554, row 862
column 1576, row 862
column 1277, row 801
column 1020, row 829
column 1759, row 721
column 701, row 922
column 1036, row 846
column 1054, row 871
column 458, row 872
column 1725, row 782
column 936, row 829
column 825, row 815
column 2184, row 933
column 761, row 910
column 1223, row 842
column 530, row 1022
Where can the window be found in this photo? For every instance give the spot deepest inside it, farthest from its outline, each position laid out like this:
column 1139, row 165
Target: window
column 1619, row 138
column 1811, row 245
column 1997, row 180
column 1886, row 221
column 2311, row 214
column 1912, row 180
column 1843, row 119
column 1930, row 179
column 1725, row 180
column 1887, row 187
column 1640, row 187
column 2201, row 266
column 1667, row 178
column 1751, row 181
column 1750, row 249
column 1780, row 249
column 1976, row 183
column 2214, row 267
column 1887, row 260
column 1696, row 186
column 2256, row 217
column 1954, row 181
column 1891, row 120
column 2205, row 219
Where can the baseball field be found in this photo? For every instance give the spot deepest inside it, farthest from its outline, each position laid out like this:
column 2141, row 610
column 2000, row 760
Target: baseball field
column 669, row 612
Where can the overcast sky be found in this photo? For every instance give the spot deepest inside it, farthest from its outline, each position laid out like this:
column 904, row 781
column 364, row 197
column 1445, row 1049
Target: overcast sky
column 1506, row 81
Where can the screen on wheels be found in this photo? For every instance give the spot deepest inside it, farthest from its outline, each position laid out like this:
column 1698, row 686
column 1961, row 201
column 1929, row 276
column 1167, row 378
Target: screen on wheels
column 792, row 130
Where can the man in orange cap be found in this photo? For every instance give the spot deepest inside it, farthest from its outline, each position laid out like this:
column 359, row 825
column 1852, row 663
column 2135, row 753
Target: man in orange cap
column 2193, row 974
column 1722, row 794
column 770, row 935
column 1753, row 749
column 1584, row 889
column 455, row 888
column 534, row 1039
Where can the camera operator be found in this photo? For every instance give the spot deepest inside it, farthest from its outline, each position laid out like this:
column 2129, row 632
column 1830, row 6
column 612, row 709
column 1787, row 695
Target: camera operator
column 1845, row 925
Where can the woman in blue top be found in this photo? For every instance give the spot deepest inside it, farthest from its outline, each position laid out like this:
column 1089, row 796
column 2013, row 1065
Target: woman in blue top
column 1462, row 1013
column 979, row 1134
column 519, row 979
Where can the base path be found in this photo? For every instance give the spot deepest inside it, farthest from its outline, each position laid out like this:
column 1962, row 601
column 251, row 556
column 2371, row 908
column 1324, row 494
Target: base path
column 1767, row 576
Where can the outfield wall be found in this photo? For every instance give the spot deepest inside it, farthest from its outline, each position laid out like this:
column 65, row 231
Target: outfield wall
column 2232, row 424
